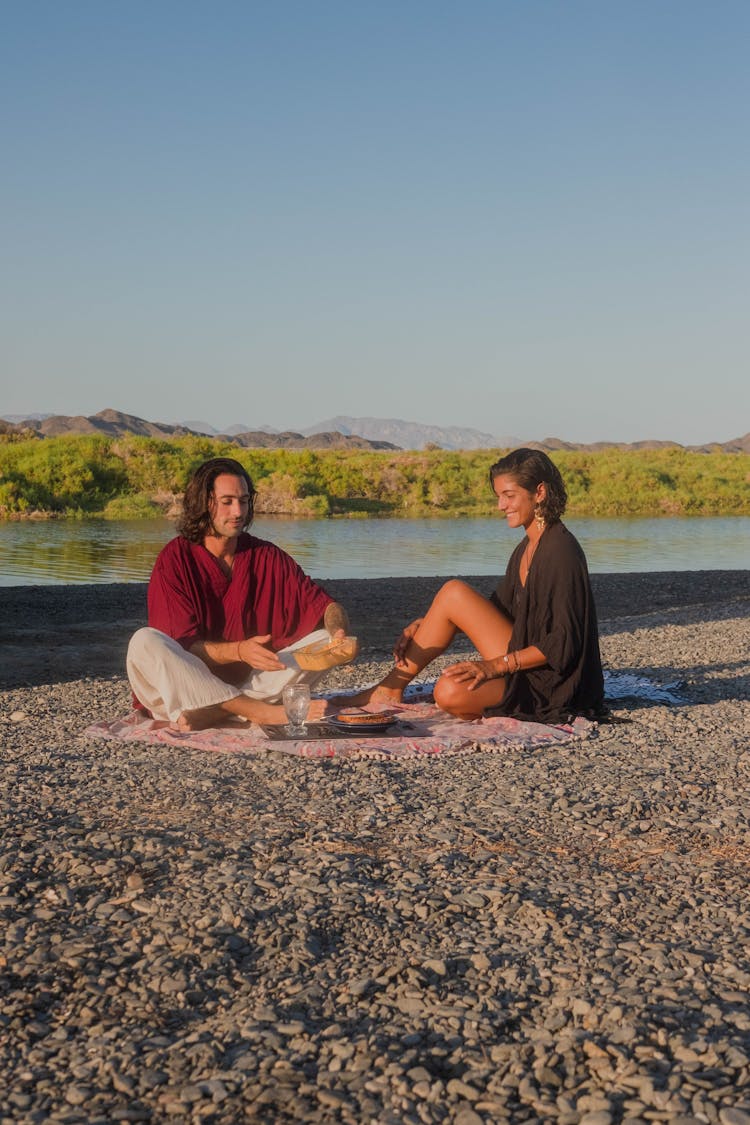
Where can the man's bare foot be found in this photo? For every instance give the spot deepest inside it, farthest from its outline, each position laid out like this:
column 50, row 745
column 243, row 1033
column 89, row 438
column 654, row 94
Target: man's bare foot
column 276, row 715
column 318, row 708
column 231, row 712
column 203, row 717
column 376, row 694
column 254, row 710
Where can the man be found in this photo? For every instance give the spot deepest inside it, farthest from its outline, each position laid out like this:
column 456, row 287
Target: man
column 226, row 611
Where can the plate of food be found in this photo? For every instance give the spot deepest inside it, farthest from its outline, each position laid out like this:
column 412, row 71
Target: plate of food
column 355, row 719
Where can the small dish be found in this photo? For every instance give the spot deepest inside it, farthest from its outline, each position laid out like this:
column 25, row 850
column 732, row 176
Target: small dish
column 366, row 721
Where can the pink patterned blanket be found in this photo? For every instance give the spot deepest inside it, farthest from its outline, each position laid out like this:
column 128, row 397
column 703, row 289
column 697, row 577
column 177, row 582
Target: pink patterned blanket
column 421, row 730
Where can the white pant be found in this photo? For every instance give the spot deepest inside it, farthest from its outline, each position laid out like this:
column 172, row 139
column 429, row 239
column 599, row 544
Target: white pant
column 167, row 679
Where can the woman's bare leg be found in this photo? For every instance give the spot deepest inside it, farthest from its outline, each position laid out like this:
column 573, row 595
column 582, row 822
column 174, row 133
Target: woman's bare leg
column 457, row 700
column 455, row 608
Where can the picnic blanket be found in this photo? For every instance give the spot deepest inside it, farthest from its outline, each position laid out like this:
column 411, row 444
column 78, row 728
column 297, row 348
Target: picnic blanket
column 421, row 729
column 620, row 686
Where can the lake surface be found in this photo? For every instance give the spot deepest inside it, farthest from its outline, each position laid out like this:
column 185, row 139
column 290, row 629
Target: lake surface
column 69, row 551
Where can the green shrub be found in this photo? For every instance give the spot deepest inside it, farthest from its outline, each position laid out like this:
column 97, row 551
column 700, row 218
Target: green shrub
column 135, row 476
column 131, row 508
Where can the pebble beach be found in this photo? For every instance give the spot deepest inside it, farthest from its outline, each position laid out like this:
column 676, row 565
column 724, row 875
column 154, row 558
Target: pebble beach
column 557, row 935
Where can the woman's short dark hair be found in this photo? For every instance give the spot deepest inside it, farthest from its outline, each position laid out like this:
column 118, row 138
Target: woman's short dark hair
column 195, row 522
column 530, row 468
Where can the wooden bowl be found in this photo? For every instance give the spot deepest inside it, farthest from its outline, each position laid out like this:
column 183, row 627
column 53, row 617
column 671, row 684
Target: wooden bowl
column 326, row 654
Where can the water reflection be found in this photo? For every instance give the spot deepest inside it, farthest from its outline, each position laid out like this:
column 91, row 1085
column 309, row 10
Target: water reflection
column 50, row 552
column 671, row 544
column 57, row 551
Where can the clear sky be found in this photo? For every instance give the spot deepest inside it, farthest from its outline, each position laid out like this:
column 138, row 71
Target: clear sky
column 530, row 218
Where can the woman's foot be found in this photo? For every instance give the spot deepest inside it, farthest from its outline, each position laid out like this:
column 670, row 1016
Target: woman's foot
column 377, row 694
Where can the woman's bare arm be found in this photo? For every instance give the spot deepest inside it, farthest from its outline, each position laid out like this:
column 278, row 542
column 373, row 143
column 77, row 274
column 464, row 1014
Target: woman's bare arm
column 476, row 672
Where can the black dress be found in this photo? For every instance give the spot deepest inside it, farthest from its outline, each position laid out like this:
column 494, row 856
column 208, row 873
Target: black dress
column 554, row 611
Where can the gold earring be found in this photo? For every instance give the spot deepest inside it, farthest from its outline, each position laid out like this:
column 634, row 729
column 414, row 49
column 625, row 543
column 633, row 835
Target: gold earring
column 539, row 517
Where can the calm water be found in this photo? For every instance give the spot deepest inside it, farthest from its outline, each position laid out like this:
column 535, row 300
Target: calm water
column 60, row 551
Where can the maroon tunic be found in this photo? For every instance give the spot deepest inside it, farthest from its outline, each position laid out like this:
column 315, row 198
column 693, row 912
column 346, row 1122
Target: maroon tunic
column 191, row 599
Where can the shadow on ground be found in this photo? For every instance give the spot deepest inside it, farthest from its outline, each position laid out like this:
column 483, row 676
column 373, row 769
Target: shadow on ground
column 55, row 634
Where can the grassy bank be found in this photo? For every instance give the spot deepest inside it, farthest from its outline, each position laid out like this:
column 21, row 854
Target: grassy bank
column 132, row 477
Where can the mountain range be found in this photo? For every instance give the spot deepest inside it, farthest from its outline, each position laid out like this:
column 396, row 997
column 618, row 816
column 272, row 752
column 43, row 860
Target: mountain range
column 341, row 432
column 113, row 423
column 393, row 432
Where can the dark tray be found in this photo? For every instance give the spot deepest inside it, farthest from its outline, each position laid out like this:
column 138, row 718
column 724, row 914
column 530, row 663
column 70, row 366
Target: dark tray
column 316, row 732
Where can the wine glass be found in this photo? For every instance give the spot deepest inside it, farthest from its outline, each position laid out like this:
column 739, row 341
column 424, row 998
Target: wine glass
column 296, row 700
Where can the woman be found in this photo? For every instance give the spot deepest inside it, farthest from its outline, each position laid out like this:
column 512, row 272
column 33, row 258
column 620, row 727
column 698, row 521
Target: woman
column 536, row 636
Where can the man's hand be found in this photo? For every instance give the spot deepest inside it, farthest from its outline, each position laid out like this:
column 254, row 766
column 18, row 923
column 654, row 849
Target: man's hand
column 472, row 672
column 336, row 621
column 254, row 652
column 401, row 645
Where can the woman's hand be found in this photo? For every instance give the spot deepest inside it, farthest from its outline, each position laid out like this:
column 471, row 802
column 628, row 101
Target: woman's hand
column 254, row 651
column 472, row 673
column 401, row 645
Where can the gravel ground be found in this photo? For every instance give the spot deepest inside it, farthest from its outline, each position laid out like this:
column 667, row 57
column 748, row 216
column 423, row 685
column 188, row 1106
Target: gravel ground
column 558, row 935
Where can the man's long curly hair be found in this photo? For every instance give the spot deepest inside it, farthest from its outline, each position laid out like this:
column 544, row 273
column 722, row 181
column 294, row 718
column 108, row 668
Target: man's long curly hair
column 195, row 522
column 530, row 468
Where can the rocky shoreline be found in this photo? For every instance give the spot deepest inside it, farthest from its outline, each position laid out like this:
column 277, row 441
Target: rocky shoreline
column 53, row 633
column 558, row 935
